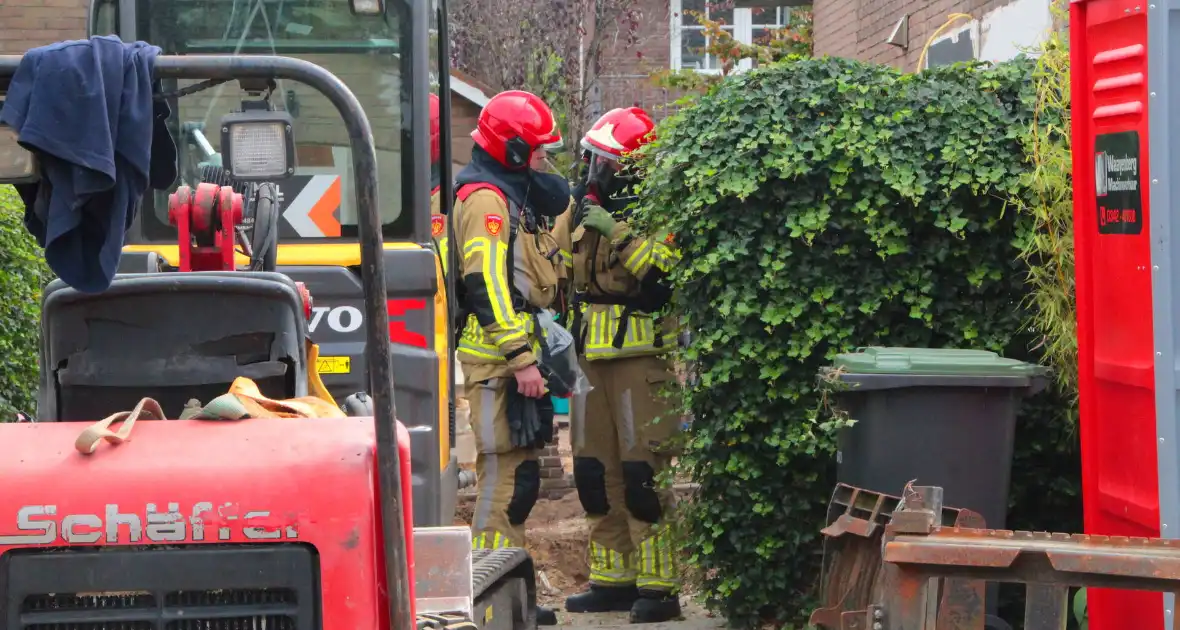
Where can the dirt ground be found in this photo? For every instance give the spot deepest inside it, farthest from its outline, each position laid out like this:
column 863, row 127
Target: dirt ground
column 557, row 541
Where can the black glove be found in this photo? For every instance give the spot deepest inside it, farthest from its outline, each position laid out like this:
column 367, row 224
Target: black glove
column 530, row 420
column 545, row 414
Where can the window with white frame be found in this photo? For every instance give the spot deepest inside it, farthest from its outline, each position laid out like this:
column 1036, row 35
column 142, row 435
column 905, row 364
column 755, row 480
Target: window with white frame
column 748, row 25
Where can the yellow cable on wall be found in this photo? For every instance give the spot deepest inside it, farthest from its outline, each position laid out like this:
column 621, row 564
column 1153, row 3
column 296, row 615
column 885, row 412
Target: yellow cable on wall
column 951, row 19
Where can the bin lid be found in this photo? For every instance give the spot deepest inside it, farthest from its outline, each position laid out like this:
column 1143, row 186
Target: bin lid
column 933, row 361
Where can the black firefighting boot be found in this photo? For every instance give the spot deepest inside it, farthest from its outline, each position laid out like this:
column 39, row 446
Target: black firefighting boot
column 603, row 599
column 546, row 616
column 655, row 607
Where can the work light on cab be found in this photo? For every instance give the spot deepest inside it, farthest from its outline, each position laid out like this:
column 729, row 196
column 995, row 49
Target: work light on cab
column 257, row 143
column 367, row 7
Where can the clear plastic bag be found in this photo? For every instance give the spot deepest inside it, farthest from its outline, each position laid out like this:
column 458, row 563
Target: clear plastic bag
column 559, row 359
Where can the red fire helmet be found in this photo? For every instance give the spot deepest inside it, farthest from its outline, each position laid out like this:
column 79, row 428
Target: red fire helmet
column 513, row 125
column 435, row 128
column 619, row 132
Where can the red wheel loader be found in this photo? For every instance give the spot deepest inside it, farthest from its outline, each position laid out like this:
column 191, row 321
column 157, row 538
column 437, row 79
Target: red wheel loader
column 254, row 524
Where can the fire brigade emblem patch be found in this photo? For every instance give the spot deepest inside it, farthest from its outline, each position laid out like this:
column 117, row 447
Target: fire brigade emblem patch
column 670, row 238
column 437, row 225
column 493, row 223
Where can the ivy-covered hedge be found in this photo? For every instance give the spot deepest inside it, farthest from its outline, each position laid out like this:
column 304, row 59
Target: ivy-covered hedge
column 23, row 273
column 822, row 205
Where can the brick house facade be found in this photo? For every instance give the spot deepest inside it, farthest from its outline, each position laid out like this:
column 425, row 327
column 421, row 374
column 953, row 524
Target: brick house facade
column 846, row 28
column 859, row 29
column 626, row 77
column 25, row 24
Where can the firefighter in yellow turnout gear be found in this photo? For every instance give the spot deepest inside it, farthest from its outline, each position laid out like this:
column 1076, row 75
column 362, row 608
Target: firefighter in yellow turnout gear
column 622, row 428
column 507, row 276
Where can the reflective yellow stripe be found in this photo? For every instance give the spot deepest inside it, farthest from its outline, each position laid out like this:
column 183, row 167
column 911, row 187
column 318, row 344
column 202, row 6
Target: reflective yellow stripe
column 650, row 253
column 442, row 252
column 664, row 257
column 490, row 540
column 657, row 563
column 495, row 277
column 639, row 258
column 477, row 344
column 602, row 324
column 610, row 567
column 479, row 353
column 566, row 258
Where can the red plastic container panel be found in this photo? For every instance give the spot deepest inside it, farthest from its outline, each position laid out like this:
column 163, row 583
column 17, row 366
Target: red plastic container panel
column 407, row 482
column 1114, row 289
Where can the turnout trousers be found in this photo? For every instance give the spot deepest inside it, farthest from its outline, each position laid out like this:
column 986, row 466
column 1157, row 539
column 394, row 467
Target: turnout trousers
column 509, row 478
column 620, row 432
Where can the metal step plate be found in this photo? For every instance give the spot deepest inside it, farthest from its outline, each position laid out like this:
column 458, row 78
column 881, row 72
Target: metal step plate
column 443, row 570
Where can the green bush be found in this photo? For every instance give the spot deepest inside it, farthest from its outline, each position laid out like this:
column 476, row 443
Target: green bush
column 820, row 205
column 23, row 274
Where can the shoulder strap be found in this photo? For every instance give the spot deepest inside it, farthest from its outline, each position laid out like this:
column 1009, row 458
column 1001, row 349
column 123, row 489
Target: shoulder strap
column 513, row 227
column 466, row 191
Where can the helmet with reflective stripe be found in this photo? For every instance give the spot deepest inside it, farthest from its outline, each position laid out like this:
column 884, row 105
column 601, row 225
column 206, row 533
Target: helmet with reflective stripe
column 513, row 125
column 619, row 132
column 435, row 128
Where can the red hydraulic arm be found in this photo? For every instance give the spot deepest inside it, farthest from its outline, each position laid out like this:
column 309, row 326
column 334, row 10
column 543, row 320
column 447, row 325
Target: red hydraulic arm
column 206, row 220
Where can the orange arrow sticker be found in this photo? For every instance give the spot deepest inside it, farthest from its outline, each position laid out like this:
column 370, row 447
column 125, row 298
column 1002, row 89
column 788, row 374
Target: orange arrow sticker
column 324, row 210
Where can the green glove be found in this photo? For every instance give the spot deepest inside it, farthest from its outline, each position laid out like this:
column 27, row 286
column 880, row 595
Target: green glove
column 599, row 220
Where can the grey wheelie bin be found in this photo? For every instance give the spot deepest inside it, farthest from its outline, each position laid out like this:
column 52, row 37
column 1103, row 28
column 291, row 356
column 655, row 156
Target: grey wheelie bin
column 942, row 417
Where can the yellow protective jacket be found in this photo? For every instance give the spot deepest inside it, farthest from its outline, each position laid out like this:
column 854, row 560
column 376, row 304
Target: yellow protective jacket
column 499, row 336
column 620, row 286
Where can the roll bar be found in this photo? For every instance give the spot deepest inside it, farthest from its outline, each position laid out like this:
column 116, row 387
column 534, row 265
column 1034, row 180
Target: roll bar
column 377, row 349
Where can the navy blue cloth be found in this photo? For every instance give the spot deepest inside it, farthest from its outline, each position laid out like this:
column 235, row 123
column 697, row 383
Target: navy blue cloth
column 85, row 108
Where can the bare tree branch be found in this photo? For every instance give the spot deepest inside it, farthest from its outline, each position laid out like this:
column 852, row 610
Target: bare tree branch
column 544, row 46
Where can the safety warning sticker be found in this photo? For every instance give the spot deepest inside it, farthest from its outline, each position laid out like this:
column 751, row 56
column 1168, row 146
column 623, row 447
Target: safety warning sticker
column 334, row 365
column 1119, row 199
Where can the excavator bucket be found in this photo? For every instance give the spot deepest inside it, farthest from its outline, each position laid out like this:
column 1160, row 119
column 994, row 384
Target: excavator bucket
column 852, row 569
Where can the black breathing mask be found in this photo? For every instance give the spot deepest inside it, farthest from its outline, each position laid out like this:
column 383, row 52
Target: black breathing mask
column 548, row 194
column 615, row 190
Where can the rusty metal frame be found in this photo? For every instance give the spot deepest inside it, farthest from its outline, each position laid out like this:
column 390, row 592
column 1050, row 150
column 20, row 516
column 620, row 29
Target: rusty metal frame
column 853, row 573
column 924, row 560
column 377, row 349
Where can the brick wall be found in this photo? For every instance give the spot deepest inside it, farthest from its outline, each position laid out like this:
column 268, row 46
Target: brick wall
column 858, row 28
column 27, row 24
column 625, row 80
column 555, row 481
